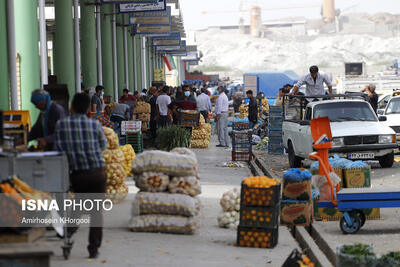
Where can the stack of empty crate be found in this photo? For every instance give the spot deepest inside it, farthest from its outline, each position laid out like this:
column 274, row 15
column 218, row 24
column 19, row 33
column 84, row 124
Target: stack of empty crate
column 259, row 217
column 275, row 120
column 133, row 134
column 241, row 142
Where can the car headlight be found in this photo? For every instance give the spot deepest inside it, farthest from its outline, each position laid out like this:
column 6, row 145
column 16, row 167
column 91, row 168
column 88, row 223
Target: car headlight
column 386, row 139
column 338, row 142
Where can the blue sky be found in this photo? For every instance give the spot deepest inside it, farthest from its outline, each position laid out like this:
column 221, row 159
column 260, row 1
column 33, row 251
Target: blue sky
column 203, row 13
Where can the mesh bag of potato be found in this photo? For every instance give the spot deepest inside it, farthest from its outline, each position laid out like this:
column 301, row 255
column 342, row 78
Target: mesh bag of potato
column 117, row 193
column 152, row 182
column 189, row 185
column 244, row 111
column 142, row 107
column 168, row 163
column 165, row 203
column 164, row 224
column 112, row 138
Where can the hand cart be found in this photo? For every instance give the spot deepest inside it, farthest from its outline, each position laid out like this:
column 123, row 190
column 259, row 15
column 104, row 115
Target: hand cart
column 47, row 172
column 350, row 201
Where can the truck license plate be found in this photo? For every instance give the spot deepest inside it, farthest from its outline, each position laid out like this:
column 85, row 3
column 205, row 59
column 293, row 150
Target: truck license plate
column 361, row 156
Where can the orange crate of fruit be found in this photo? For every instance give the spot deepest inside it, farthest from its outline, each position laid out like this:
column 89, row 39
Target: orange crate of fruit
column 257, row 237
column 260, row 191
column 267, row 217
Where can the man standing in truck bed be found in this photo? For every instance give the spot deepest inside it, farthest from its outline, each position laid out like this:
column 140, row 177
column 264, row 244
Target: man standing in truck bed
column 314, row 82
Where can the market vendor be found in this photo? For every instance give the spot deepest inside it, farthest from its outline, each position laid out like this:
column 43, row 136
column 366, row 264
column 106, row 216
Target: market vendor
column 50, row 112
column 97, row 99
column 186, row 102
column 253, row 109
column 120, row 113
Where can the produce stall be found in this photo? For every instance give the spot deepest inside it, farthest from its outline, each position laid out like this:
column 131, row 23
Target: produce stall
column 169, row 184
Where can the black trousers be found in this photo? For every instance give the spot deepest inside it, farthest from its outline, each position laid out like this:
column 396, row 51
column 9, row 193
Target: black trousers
column 91, row 181
column 153, row 128
column 205, row 115
column 163, row 121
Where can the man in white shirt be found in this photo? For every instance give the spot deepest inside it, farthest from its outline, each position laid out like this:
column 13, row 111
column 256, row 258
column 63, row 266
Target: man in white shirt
column 162, row 106
column 314, row 82
column 221, row 112
column 203, row 104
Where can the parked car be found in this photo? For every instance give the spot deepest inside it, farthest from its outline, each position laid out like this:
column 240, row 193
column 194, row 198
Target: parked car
column 356, row 131
column 392, row 113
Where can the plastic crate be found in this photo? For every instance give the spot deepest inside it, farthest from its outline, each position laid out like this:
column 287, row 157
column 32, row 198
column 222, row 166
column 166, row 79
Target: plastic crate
column 257, row 237
column 239, row 126
column 242, row 147
column 275, row 133
column 242, row 136
column 259, row 196
column 131, row 126
column 242, row 156
column 267, row 217
column 275, row 140
column 275, row 124
column 273, row 117
column 275, row 149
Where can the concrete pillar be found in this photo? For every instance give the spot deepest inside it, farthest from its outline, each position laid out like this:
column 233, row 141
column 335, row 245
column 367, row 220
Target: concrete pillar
column 144, row 63
column 131, row 71
column 4, row 92
column 27, row 46
column 120, row 54
column 138, row 60
column 64, row 56
column 88, row 44
column 106, row 46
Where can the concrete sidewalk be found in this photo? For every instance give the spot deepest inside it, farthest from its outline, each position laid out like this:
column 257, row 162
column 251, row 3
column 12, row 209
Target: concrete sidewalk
column 211, row 246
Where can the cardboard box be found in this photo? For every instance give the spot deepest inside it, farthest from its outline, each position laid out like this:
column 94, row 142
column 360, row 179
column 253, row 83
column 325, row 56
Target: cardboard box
column 339, row 173
column 297, row 213
column 296, row 190
column 354, row 178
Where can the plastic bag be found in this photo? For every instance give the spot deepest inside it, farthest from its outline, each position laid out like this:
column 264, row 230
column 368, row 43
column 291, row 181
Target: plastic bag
column 152, row 182
column 164, row 224
column 321, row 183
column 348, row 260
column 169, row 163
column 297, row 175
column 256, row 139
column 167, row 204
column 356, row 165
column 228, row 219
column 189, row 185
column 230, row 200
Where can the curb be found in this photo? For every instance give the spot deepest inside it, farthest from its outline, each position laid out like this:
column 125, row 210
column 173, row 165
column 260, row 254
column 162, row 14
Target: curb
column 314, row 246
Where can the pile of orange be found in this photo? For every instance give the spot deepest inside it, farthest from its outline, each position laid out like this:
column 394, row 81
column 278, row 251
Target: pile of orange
column 251, row 238
column 256, row 217
column 260, row 181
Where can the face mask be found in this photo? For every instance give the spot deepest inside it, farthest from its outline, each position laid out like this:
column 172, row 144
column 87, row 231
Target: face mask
column 187, row 93
column 102, row 94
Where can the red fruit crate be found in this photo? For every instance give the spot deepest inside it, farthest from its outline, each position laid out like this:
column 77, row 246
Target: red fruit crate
column 242, row 156
column 257, row 237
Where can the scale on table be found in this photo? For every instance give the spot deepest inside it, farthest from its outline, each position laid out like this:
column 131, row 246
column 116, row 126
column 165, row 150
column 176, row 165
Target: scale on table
column 16, row 125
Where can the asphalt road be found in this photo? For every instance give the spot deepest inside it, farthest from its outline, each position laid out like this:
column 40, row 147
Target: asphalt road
column 385, row 176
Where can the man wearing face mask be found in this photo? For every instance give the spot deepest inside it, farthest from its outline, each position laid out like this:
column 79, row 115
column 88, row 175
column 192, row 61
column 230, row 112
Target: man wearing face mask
column 97, row 99
column 186, row 103
column 50, row 112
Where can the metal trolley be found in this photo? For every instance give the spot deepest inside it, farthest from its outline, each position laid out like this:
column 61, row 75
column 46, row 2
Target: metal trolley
column 47, row 172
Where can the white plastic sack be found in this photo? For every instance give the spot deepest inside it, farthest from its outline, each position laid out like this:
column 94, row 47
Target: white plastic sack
column 321, row 183
column 184, row 151
column 164, row 224
column 228, row 219
column 189, row 185
column 256, row 139
column 167, row 204
column 168, row 163
column 152, row 182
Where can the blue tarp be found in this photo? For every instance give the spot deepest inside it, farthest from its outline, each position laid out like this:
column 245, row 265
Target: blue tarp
column 269, row 82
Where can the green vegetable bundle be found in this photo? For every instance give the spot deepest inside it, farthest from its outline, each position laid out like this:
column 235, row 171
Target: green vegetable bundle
column 391, row 259
column 172, row 136
column 359, row 255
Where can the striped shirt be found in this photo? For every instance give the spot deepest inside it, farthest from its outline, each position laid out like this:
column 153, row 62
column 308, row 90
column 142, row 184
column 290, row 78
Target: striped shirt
column 82, row 140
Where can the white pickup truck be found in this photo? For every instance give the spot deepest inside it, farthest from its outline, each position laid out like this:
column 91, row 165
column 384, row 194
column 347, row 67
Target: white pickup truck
column 392, row 113
column 356, row 131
